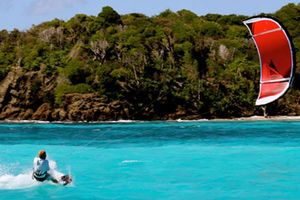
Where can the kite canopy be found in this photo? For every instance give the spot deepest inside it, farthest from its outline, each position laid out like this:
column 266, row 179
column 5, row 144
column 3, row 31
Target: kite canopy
column 276, row 58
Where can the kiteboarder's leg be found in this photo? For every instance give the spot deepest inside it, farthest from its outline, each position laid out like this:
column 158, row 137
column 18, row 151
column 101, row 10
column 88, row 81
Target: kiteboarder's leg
column 51, row 178
column 54, row 180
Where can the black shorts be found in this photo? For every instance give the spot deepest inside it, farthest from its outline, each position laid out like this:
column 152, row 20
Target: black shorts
column 41, row 179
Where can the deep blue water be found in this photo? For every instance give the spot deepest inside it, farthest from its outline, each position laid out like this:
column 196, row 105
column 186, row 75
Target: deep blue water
column 155, row 160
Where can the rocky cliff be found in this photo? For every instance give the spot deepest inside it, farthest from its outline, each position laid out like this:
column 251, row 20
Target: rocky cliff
column 27, row 96
column 24, row 96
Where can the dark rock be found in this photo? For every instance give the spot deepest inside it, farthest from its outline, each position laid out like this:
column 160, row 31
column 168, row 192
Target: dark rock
column 43, row 113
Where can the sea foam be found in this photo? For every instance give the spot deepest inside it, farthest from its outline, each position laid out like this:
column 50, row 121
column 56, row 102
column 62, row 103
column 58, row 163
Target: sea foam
column 21, row 181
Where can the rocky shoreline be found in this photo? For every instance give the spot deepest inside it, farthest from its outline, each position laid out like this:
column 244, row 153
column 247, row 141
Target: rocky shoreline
column 25, row 96
column 252, row 118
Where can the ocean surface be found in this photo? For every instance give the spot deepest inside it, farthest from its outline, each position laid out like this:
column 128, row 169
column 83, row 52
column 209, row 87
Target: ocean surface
column 154, row 160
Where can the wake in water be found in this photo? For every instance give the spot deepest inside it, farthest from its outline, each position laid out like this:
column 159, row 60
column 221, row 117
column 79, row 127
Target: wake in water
column 131, row 161
column 20, row 181
column 25, row 180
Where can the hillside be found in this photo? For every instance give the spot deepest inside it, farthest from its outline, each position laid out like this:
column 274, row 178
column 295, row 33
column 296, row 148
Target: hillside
column 110, row 67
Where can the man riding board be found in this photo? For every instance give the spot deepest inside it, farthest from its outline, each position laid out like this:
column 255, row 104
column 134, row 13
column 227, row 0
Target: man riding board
column 41, row 168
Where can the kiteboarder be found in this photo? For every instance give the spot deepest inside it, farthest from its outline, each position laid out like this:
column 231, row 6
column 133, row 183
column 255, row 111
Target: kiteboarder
column 41, row 168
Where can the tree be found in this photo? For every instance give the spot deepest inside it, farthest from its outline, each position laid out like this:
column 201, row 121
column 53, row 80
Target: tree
column 110, row 16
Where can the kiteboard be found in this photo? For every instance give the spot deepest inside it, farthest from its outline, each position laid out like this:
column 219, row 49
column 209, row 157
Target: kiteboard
column 65, row 179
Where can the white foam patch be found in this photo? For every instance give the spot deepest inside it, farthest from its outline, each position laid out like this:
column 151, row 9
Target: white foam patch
column 54, row 173
column 130, row 161
column 20, row 181
column 196, row 120
column 126, row 121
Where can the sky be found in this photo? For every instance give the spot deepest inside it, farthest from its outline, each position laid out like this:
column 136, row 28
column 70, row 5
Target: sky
column 22, row 14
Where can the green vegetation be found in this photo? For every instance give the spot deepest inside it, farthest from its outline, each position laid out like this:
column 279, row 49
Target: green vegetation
column 205, row 64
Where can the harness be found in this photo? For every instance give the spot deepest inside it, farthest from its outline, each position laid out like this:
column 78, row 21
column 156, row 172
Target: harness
column 40, row 176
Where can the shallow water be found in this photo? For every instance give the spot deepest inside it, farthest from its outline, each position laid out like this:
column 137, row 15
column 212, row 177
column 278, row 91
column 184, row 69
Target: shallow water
column 155, row 160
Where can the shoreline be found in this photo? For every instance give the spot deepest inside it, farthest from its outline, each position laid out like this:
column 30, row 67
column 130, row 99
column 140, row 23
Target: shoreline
column 262, row 118
column 252, row 118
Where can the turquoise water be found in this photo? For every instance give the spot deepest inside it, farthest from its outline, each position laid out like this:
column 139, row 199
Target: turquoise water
column 155, row 160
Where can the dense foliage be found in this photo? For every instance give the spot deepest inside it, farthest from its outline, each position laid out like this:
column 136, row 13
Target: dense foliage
column 202, row 64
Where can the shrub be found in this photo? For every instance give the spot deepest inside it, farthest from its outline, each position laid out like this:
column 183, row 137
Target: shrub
column 62, row 89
